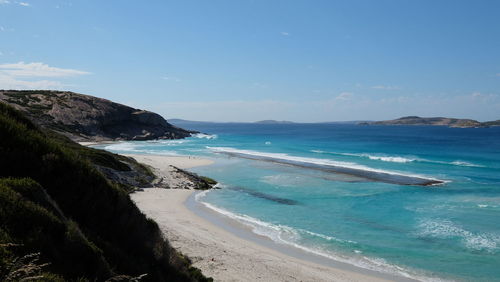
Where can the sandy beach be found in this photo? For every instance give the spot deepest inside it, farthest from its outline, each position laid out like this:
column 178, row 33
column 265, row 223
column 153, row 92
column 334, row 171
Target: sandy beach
column 217, row 252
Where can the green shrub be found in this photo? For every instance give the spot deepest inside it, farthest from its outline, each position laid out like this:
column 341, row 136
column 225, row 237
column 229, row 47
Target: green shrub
column 54, row 201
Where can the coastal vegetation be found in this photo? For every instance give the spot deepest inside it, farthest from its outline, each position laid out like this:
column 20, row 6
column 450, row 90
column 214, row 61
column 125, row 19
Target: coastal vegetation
column 62, row 219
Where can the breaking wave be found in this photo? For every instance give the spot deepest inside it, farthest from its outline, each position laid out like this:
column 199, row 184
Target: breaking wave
column 397, row 159
column 134, row 148
column 286, row 235
column 333, row 166
column 204, row 136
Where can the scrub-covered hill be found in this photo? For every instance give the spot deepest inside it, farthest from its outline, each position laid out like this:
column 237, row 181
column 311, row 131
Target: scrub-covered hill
column 62, row 219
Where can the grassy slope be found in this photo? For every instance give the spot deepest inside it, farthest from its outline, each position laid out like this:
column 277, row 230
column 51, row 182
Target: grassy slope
column 55, row 202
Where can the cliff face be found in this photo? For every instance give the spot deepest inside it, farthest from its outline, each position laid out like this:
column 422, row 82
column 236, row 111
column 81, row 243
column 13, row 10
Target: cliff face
column 414, row 120
column 87, row 118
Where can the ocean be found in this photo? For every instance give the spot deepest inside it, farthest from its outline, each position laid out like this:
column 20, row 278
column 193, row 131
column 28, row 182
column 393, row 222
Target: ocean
column 415, row 201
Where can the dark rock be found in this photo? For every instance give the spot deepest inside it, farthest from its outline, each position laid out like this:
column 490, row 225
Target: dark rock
column 199, row 182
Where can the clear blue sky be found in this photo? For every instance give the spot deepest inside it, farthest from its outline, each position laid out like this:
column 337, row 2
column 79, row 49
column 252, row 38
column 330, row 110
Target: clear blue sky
column 244, row 60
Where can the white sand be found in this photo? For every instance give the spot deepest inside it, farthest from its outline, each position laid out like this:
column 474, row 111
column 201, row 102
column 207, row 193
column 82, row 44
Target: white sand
column 165, row 168
column 162, row 163
column 217, row 252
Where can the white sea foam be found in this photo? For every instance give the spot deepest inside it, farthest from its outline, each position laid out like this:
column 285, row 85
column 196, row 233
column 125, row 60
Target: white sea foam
column 317, row 161
column 446, row 229
column 380, row 157
column 202, row 194
column 286, row 235
column 130, row 147
column 121, row 146
column 456, row 163
column 326, row 237
column 391, row 159
column 171, row 142
column 398, row 159
column 204, row 136
column 165, row 141
column 464, row 163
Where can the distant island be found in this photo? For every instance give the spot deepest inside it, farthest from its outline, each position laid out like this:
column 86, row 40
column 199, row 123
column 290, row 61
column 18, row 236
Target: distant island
column 408, row 120
column 180, row 122
column 267, row 121
column 271, row 121
column 436, row 121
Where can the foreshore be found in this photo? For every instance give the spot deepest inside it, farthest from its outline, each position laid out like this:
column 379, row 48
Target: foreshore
column 219, row 253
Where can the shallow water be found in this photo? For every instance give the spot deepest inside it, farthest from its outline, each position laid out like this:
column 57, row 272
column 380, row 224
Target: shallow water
column 447, row 231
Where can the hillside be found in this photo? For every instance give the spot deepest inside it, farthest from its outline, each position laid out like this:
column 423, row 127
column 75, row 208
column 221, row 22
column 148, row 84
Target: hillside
column 87, row 118
column 492, row 123
column 62, row 219
column 414, row 120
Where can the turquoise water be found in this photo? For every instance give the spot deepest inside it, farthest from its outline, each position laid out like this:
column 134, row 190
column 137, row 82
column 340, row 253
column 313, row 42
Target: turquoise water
column 284, row 182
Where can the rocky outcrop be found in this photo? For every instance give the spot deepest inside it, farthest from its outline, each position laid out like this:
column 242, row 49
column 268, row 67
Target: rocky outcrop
column 87, row 118
column 415, row 120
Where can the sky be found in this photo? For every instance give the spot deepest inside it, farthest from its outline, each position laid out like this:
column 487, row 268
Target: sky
column 250, row 60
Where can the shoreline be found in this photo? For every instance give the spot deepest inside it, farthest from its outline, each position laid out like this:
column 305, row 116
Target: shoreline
column 225, row 256
column 226, row 249
column 245, row 233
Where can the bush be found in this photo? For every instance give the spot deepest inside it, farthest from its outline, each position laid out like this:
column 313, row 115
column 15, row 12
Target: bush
column 54, row 201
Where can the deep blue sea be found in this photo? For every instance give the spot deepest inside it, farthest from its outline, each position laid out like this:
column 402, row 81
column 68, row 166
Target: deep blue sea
column 341, row 191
